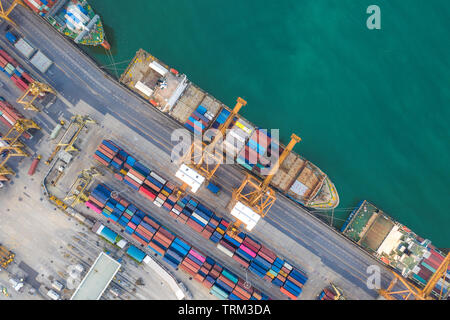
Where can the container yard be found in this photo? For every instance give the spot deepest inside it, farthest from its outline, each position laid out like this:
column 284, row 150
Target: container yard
column 74, row 19
column 14, row 71
column 396, row 245
column 107, row 188
column 198, row 111
column 249, row 253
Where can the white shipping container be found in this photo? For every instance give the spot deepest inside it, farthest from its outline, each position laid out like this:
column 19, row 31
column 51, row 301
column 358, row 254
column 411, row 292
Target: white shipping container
column 158, row 68
column 41, row 62
column 199, row 218
column 157, row 177
column 24, row 48
column 132, row 176
column 53, row 295
column 225, row 250
column 143, row 88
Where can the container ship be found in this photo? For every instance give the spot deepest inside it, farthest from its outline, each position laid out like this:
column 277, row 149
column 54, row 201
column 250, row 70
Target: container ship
column 414, row 257
column 171, row 92
column 74, row 18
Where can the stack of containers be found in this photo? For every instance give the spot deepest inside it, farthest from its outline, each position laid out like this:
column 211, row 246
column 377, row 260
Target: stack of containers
column 136, row 175
column 219, row 231
column 221, row 118
column 177, row 250
column 106, row 152
column 9, row 116
column 235, row 138
column 161, row 241
column 199, row 120
column 13, row 70
column 41, row 7
column 253, row 156
column 192, row 263
column 229, row 244
column 98, row 198
column 247, row 251
column 174, row 250
column 326, row 294
column 428, row 266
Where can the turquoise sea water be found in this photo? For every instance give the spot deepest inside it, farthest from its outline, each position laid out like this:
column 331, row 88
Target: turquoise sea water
column 372, row 106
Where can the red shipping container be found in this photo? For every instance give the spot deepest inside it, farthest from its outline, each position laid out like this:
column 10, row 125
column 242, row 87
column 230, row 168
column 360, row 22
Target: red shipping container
column 295, row 282
column 240, row 260
column 118, row 176
column 151, row 222
column 199, row 278
column 100, row 160
column 27, row 77
column 194, row 225
column 290, row 295
column 166, row 233
column 126, row 215
column 186, row 269
column 134, row 183
column 131, row 225
column 135, row 237
column 5, row 122
column 103, row 149
column 144, row 232
column 156, row 247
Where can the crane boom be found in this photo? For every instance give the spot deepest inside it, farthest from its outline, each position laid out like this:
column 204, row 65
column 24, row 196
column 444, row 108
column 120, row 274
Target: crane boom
column 254, row 198
column 5, row 14
column 202, row 161
column 405, row 289
column 442, row 270
column 222, row 129
column 294, row 140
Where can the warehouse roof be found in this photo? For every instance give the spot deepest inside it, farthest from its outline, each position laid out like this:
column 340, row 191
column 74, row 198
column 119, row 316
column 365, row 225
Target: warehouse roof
column 97, row 279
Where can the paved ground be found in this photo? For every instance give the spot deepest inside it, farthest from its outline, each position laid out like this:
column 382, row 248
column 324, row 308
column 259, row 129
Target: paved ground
column 47, row 243
column 289, row 229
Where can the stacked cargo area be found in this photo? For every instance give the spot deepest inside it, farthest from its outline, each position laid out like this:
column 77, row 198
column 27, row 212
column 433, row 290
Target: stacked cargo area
column 9, row 116
column 14, row 71
column 396, row 245
column 241, row 247
column 171, row 92
column 178, row 253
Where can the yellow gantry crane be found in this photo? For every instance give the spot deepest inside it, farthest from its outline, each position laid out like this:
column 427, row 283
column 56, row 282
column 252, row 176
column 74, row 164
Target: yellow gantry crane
column 35, row 89
column 67, row 140
column 202, row 161
column 6, row 257
column 19, row 128
column 402, row 289
column 77, row 192
column 254, row 198
column 12, row 146
column 5, row 14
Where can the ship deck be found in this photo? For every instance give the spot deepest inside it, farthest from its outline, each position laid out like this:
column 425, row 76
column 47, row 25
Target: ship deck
column 144, row 80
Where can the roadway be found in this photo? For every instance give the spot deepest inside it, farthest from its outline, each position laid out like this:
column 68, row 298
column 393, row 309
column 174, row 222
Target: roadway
column 321, row 251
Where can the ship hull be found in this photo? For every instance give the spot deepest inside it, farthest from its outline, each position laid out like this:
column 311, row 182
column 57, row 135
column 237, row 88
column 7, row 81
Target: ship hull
column 297, row 177
column 62, row 15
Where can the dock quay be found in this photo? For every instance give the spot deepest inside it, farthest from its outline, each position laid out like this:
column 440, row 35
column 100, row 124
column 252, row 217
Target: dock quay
column 145, row 131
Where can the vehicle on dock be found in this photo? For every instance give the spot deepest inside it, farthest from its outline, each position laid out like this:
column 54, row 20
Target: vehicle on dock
column 414, row 257
column 74, row 18
column 172, row 93
column 331, row 292
column 34, row 165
